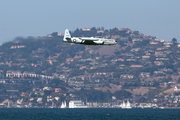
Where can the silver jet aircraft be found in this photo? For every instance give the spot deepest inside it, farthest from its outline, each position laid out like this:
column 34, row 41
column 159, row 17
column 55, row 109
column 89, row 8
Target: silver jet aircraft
column 87, row 40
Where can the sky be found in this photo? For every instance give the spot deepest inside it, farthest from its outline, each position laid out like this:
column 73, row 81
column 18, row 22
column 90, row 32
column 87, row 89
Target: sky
column 160, row 18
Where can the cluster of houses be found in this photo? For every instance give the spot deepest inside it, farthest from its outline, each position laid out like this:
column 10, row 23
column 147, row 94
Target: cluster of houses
column 31, row 99
column 18, row 74
column 94, row 80
column 27, row 100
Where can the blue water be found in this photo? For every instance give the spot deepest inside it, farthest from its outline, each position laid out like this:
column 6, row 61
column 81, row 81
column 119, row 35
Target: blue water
column 88, row 114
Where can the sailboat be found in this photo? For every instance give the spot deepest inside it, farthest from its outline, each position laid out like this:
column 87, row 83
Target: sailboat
column 128, row 105
column 124, row 105
column 63, row 105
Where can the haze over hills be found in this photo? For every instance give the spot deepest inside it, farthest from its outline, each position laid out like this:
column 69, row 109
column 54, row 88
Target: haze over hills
column 140, row 68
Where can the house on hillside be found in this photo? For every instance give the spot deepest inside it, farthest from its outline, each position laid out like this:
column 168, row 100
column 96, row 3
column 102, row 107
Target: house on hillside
column 47, row 88
column 145, row 56
column 69, row 59
column 136, row 66
column 12, row 74
column 24, row 94
column 177, row 88
column 83, row 67
column 57, row 89
column 144, row 74
column 120, row 29
column 60, row 34
column 161, row 48
column 159, row 72
column 158, row 63
column 100, row 31
column 49, row 98
column 153, row 42
column 130, row 60
column 127, row 76
column 168, row 43
column 86, row 29
column 135, row 49
column 39, row 99
column 162, row 58
column 115, row 37
column 136, row 40
column 17, row 46
column 120, row 59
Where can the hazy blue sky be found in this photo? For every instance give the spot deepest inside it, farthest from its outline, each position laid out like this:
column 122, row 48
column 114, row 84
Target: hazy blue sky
column 160, row 18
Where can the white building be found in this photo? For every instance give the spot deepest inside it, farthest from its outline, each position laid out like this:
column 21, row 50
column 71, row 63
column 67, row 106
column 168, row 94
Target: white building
column 177, row 88
column 76, row 104
column 39, row 99
column 47, row 88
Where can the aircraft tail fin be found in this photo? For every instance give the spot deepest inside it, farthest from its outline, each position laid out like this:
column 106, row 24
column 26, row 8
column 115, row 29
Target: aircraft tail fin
column 67, row 34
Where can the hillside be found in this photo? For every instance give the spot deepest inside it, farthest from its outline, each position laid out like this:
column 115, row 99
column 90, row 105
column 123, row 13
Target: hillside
column 138, row 66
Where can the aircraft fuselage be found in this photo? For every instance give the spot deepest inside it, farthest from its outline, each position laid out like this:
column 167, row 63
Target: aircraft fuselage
column 87, row 40
column 96, row 41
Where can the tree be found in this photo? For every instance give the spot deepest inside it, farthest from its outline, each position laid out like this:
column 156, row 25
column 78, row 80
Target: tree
column 122, row 94
column 54, row 34
column 48, row 92
column 46, row 54
column 156, row 84
column 102, row 28
column 94, row 95
column 178, row 81
column 142, row 99
column 174, row 41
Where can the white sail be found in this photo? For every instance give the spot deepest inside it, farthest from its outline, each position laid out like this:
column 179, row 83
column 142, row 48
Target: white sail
column 123, row 105
column 63, row 105
column 128, row 105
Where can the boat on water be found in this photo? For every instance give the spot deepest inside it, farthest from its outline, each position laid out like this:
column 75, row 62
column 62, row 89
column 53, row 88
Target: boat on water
column 126, row 105
column 63, row 105
column 123, row 105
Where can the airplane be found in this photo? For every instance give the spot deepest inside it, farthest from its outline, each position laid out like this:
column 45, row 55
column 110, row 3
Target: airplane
column 87, row 40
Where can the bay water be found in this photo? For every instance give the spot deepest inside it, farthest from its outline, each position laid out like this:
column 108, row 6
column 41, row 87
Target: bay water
column 88, row 114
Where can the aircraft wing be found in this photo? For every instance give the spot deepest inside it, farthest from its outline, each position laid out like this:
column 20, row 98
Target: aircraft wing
column 89, row 39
